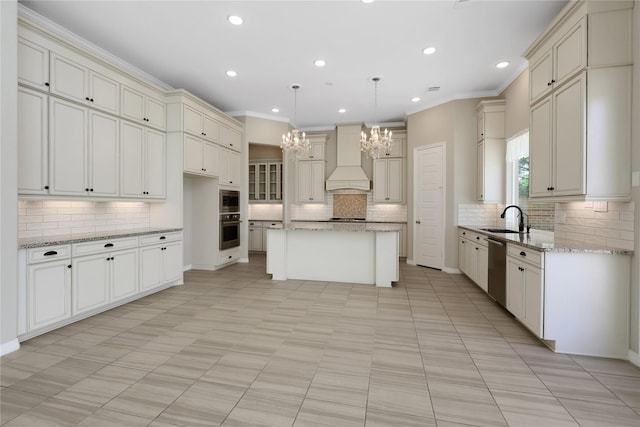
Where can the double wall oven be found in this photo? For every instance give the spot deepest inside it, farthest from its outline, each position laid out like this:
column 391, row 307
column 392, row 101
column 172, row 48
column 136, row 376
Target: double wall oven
column 229, row 219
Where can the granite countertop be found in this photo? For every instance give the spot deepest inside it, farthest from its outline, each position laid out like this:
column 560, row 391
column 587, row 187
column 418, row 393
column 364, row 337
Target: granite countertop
column 349, row 222
column 545, row 241
column 65, row 239
column 340, row 226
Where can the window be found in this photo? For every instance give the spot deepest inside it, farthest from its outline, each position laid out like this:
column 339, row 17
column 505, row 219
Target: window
column 518, row 169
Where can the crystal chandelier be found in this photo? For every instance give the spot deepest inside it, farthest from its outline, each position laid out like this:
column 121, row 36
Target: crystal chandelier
column 295, row 142
column 378, row 144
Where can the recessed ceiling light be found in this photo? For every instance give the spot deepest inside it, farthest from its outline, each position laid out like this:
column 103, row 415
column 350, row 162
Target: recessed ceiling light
column 319, row 63
column 415, row 99
column 502, row 64
column 231, row 73
column 367, row 1
column 275, row 110
column 342, row 110
column 428, row 50
column 235, row 20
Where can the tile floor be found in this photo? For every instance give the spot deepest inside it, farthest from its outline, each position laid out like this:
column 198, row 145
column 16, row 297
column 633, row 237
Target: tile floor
column 234, row 348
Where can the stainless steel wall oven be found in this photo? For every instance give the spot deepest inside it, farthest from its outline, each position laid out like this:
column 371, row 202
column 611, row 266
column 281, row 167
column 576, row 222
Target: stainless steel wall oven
column 229, row 230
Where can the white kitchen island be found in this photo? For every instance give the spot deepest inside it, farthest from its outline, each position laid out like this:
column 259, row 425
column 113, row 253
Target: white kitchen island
column 336, row 252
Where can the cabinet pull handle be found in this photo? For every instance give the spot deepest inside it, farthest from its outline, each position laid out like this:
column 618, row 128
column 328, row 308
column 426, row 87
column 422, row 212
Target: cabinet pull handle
column 163, row 237
column 523, row 253
column 108, row 245
column 520, row 268
column 86, row 98
column 49, row 253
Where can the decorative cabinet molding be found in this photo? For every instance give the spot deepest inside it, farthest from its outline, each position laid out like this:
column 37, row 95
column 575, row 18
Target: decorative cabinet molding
column 490, row 160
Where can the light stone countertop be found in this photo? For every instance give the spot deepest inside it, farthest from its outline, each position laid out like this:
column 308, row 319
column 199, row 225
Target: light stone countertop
column 65, row 239
column 340, row 226
column 545, row 241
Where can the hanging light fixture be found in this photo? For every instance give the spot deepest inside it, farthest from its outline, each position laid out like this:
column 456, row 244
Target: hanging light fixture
column 295, row 142
column 377, row 144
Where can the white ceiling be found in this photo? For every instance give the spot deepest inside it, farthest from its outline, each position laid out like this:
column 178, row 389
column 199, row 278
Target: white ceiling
column 190, row 44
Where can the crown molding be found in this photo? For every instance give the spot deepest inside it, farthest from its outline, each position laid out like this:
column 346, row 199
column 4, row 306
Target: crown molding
column 257, row 115
column 454, row 97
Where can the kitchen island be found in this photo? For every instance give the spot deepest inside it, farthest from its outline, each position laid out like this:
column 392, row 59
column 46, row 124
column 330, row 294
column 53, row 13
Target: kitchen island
column 364, row 253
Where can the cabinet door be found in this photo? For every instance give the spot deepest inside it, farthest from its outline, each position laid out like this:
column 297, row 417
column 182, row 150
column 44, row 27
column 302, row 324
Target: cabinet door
column 540, row 76
column 540, row 149
column 304, row 181
column 90, row 283
column 471, row 261
column 103, row 155
column 275, row 181
column 131, row 160
column 68, row 78
column 151, row 267
column 124, row 274
column 132, row 104
column 569, row 105
column 533, row 300
column 252, row 181
column 210, row 129
column 462, row 248
column 33, row 64
column 317, row 181
column 193, row 155
column 155, row 164
column 480, row 171
column 104, row 93
column 210, row 159
column 316, row 152
column 255, row 239
column 261, row 193
column 48, row 293
column 33, row 143
column 515, row 288
column 192, row 121
column 570, row 52
column 380, row 184
column 223, row 165
column 482, row 273
column 155, row 113
column 234, row 168
column 230, row 138
column 480, row 127
column 172, row 262
column 395, row 173
column 68, row 148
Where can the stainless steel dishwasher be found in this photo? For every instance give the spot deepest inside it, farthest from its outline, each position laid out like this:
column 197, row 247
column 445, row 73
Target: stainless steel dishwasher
column 498, row 271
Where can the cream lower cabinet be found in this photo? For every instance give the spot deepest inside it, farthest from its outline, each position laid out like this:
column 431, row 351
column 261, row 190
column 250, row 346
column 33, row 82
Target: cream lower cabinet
column 48, row 293
column 525, row 287
column 256, row 236
column 310, row 181
column 142, row 162
column 160, row 263
column 473, row 257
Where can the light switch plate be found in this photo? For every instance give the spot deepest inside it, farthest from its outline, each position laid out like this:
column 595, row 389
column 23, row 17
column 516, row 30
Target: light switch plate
column 635, row 179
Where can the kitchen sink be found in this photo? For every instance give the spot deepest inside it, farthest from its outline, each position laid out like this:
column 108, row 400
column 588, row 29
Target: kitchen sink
column 499, row 230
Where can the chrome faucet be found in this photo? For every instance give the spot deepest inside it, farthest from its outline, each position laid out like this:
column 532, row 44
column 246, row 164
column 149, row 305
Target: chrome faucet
column 522, row 214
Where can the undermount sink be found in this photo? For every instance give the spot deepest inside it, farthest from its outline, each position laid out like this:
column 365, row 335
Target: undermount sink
column 499, row 230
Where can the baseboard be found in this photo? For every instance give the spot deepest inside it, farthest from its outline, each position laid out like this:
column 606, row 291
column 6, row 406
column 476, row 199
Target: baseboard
column 9, row 347
column 452, row 270
column 634, row 358
column 187, row 267
column 244, row 260
column 410, row 261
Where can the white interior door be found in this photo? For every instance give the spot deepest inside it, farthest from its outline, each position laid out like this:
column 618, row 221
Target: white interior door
column 429, row 204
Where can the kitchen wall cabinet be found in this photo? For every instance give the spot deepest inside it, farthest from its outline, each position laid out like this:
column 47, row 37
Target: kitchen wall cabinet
column 316, row 151
column 310, row 181
column 265, row 182
column 83, row 151
column 33, row 64
column 229, row 167
column 33, row 142
column 230, row 138
column 48, row 284
column 525, row 287
column 580, row 114
column 200, row 157
column 388, row 180
column 143, row 108
column 490, row 150
column 200, row 124
column 142, row 162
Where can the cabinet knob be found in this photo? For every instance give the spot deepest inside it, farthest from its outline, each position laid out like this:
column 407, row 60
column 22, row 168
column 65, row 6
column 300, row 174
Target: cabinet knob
column 91, row 189
column 417, row 221
column 477, row 237
column 69, row 266
column 520, row 268
column 552, row 81
column 46, row 84
column 86, row 98
column 46, row 187
column 523, row 253
column 476, row 249
column 549, row 84
column 86, row 189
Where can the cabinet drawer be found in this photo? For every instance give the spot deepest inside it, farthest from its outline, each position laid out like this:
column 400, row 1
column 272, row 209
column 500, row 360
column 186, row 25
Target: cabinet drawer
column 255, row 224
column 48, row 253
column 525, row 254
column 228, row 256
column 160, row 238
column 106, row 245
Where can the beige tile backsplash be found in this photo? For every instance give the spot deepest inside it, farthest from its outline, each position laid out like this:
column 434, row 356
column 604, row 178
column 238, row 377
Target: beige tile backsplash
column 39, row 218
column 350, row 205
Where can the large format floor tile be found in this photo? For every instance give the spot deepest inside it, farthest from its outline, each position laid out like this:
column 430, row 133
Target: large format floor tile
column 233, row 348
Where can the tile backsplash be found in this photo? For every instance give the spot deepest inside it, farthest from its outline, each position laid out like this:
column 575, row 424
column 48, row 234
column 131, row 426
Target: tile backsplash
column 265, row 211
column 40, row 218
column 350, row 205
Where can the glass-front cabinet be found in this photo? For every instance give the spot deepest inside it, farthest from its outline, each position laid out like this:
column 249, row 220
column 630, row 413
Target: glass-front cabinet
column 265, row 182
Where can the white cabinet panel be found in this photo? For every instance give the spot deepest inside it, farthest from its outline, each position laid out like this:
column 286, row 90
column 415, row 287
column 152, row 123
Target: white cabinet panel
column 229, row 167
column 90, row 284
column 150, row 267
column 200, row 157
column 192, row 120
column 142, row 162
column 155, row 164
column 210, row 159
column 33, row 64
column 33, row 143
column 142, row 108
column 310, row 181
column 104, row 144
column 388, row 178
column 210, row 128
column 124, row 274
column 155, row 113
column 68, row 78
column 68, row 148
column 104, row 93
column 48, row 293
column 172, row 262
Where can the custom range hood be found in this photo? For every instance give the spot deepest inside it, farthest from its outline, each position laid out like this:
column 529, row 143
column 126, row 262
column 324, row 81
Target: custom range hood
column 348, row 174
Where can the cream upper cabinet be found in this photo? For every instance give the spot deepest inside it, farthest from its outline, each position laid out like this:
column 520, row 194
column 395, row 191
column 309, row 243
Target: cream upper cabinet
column 580, row 122
column 104, row 149
column 316, row 151
column 229, row 167
column 230, row 138
column 69, row 79
column 104, row 93
column 33, row 64
column 310, row 181
column 200, row 157
column 143, row 108
column 265, row 182
column 200, row 124
column 490, row 160
column 33, row 143
column 388, row 178
column 142, row 162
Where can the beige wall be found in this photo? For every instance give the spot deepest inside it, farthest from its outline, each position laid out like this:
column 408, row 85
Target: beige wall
column 263, row 131
column 259, row 152
column 516, row 96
